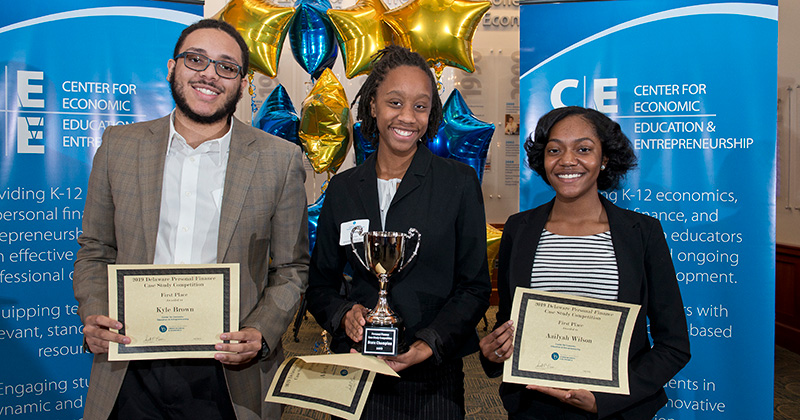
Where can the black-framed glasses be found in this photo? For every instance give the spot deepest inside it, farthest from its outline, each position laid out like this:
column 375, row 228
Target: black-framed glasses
column 199, row 62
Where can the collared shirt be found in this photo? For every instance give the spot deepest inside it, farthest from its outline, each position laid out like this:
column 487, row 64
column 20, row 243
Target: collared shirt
column 386, row 191
column 191, row 199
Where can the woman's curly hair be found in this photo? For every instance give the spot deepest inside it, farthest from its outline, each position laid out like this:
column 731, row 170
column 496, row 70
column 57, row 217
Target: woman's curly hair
column 616, row 146
column 384, row 61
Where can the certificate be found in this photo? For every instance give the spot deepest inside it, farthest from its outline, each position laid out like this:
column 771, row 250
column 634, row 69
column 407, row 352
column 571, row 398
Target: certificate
column 337, row 384
column 172, row 311
column 566, row 341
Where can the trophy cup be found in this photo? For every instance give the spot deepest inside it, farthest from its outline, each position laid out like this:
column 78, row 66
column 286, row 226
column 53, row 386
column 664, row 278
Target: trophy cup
column 384, row 252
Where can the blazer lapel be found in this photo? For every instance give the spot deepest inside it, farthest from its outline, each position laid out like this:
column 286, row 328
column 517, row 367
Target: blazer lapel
column 152, row 154
column 239, row 174
column 418, row 168
column 528, row 239
column 368, row 192
column 628, row 252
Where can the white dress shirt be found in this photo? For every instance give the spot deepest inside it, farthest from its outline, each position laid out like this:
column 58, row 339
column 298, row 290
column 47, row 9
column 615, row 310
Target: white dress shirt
column 386, row 190
column 191, row 199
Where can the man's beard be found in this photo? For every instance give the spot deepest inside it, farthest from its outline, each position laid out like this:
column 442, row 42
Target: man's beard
column 222, row 114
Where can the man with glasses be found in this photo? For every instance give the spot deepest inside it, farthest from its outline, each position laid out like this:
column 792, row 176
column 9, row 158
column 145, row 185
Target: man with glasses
column 195, row 187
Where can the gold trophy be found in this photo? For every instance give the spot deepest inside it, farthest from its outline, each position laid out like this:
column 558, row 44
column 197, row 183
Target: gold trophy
column 384, row 252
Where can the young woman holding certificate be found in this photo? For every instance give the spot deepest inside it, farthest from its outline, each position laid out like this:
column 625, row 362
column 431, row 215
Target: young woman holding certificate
column 444, row 291
column 581, row 244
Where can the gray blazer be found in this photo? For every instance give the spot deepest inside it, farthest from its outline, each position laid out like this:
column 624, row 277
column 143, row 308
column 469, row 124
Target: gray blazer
column 263, row 227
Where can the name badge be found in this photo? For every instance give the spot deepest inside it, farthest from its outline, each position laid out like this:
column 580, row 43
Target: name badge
column 344, row 236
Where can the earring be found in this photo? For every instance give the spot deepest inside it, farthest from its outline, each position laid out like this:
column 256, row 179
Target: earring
column 602, row 167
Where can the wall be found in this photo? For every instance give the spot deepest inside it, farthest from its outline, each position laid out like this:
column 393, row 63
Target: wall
column 788, row 200
column 787, row 269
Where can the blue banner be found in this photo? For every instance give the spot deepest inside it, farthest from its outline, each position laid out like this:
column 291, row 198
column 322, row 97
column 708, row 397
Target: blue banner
column 70, row 69
column 693, row 85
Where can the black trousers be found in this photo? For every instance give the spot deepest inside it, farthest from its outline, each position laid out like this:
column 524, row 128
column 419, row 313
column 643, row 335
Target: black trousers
column 173, row 389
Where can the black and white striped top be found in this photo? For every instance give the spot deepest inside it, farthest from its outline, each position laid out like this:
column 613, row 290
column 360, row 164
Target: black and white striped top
column 576, row 265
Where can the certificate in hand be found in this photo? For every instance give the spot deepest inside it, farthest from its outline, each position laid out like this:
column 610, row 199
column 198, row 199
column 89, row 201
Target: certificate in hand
column 337, row 384
column 172, row 311
column 566, row 341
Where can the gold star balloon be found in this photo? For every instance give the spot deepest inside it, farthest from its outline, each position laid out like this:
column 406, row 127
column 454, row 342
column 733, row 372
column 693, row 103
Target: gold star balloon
column 361, row 34
column 325, row 124
column 263, row 25
column 439, row 30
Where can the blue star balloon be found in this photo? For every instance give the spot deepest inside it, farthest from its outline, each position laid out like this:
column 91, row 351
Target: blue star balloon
column 313, row 218
column 363, row 147
column 277, row 116
column 438, row 144
column 313, row 37
column 466, row 137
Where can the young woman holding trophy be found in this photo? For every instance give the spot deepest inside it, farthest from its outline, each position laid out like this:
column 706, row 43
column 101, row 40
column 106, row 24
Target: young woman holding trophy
column 436, row 290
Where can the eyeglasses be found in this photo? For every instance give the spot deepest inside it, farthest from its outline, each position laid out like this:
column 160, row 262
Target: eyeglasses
column 199, row 62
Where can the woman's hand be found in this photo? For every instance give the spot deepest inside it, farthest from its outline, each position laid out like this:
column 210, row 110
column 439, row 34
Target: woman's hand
column 580, row 398
column 498, row 345
column 354, row 321
column 417, row 353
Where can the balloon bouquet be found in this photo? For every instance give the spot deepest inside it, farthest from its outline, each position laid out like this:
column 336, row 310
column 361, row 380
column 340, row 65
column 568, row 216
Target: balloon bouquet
column 439, row 30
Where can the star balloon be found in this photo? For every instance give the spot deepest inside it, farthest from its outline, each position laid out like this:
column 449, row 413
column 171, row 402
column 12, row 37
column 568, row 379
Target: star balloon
column 312, row 36
column 325, row 124
column 263, row 25
column 439, row 30
column 313, row 217
column 361, row 34
column 361, row 145
column 277, row 116
column 467, row 138
column 438, row 144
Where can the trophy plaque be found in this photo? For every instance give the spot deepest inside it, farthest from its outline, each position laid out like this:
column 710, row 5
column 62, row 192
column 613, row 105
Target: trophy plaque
column 383, row 252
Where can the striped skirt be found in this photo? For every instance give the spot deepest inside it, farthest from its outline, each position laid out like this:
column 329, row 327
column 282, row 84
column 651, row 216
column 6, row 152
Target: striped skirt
column 424, row 391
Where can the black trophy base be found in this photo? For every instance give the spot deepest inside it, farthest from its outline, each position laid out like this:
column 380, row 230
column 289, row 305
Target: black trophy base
column 380, row 340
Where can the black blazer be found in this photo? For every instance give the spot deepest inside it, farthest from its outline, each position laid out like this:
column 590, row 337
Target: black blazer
column 444, row 291
column 646, row 277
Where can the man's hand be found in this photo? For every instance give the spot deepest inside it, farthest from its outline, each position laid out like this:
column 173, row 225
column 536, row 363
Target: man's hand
column 97, row 335
column 248, row 346
column 354, row 321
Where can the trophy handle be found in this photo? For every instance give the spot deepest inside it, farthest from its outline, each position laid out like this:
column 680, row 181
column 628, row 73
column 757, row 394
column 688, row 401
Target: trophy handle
column 411, row 232
column 360, row 231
